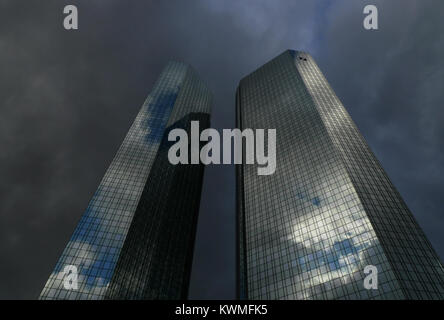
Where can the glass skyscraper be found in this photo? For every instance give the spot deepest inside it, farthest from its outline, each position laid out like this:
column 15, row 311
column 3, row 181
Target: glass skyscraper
column 136, row 237
column 329, row 210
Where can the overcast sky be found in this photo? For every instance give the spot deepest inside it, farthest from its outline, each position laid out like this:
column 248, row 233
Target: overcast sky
column 67, row 99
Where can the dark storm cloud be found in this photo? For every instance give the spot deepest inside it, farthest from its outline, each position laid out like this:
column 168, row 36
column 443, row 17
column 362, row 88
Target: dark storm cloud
column 68, row 98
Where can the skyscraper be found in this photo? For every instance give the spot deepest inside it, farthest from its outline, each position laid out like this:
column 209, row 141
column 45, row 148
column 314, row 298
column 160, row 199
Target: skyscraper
column 136, row 237
column 309, row 230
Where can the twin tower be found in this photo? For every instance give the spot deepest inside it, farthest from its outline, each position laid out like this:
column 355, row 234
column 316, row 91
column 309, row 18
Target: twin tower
column 308, row 231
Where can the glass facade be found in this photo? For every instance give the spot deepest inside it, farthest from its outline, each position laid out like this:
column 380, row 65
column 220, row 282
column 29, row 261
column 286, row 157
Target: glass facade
column 135, row 239
column 329, row 210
